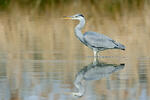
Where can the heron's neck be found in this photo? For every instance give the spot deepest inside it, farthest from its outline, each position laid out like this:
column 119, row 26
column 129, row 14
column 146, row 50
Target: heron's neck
column 78, row 28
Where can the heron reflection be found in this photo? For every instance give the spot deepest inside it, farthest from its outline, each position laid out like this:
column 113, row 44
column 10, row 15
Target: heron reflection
column 94, row 71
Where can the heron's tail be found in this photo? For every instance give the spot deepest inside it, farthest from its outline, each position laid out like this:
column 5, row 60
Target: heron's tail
column 119, row 46
column 122, row 47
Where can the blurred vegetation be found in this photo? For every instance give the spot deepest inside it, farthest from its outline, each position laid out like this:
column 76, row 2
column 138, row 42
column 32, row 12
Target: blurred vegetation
column 24, row 29
column 110, row 6
column 4, row 4
column 117, row 5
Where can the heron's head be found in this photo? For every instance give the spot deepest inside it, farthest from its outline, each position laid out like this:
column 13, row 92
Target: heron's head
column 75, row 17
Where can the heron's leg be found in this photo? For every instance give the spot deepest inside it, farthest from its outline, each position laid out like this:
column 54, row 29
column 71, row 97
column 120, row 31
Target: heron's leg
column 95, row 56
column 95, row 61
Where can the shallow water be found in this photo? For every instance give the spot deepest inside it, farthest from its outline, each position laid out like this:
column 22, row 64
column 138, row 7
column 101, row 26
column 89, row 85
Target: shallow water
column 40, row 79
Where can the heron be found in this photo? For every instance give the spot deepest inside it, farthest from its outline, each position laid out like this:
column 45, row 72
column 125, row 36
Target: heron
column 96, row 41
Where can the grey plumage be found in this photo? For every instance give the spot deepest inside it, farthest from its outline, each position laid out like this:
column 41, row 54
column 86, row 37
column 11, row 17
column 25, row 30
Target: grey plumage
column 101, row 42
column 96, row 41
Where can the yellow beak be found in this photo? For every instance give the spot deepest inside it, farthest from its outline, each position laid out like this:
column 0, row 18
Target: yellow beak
column 67, row 18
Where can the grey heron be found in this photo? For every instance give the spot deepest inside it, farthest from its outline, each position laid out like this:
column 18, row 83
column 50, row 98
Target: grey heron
column 94, row 71
column 96, row 41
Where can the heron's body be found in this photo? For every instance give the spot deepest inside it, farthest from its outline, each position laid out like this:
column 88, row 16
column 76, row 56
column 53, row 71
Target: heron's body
column 96, row 41
column 99, row 42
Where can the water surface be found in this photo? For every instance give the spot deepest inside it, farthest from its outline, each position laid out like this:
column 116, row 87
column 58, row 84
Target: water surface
column 32, row 79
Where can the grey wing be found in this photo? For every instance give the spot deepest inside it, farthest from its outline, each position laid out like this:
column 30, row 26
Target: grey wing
column 99, row 40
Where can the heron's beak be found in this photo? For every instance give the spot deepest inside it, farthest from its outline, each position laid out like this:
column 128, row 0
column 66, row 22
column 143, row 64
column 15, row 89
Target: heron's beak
column 67, row 17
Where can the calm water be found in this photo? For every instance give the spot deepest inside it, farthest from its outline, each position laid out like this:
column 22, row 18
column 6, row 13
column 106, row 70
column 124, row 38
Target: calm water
column 40, row 79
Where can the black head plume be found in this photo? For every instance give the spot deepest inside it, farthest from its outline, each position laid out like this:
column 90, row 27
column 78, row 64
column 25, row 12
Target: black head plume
column 81, row 15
